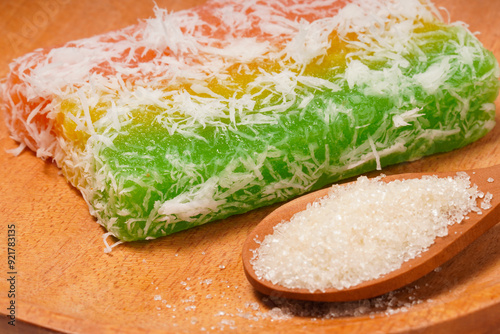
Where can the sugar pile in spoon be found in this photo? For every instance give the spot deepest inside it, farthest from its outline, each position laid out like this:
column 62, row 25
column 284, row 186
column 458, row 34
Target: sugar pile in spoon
column 363, row 230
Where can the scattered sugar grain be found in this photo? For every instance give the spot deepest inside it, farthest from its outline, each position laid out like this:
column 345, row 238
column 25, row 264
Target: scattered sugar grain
column 254, row 306
column 362, row 231
column 207, row 281
column 226, row 323
column 490, row 179
column 190, row 299
column 388, row 304
column 282, row 309
column 486, row 203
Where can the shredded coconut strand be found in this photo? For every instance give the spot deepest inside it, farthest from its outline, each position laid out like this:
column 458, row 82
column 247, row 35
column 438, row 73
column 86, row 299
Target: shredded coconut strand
column 108, row 248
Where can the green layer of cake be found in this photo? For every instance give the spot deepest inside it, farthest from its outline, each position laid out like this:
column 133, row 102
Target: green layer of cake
column 150, row 183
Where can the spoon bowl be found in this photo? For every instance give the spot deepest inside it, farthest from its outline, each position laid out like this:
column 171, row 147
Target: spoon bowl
column 459, row 236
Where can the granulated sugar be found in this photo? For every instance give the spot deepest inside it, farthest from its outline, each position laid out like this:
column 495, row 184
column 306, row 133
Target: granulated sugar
column 398, row 301
column 486, row 203
column 251, row 314
column 363, row 230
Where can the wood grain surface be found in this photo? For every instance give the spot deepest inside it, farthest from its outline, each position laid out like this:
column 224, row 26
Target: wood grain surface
column 193, row 281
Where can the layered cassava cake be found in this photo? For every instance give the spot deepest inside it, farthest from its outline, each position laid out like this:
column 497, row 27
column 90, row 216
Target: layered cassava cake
column 196, row 115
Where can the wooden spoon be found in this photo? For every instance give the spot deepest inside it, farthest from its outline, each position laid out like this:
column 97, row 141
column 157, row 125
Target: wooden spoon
column 459, row 236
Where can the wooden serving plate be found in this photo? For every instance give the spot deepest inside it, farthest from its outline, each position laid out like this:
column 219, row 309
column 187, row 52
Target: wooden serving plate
column 193, row 281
